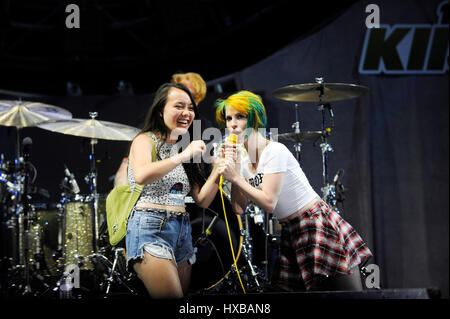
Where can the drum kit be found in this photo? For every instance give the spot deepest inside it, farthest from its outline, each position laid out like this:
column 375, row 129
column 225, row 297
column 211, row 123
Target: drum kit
column 321, row 94
column 43, row 245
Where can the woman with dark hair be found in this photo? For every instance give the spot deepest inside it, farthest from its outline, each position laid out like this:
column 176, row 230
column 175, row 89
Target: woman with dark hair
column 158, row 240
column 319, row 250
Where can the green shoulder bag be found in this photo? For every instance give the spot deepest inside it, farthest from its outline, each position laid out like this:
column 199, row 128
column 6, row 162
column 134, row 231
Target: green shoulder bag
column 119, row 204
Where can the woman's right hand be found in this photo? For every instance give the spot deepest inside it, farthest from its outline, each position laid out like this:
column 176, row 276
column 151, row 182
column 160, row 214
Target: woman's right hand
column 195, row 149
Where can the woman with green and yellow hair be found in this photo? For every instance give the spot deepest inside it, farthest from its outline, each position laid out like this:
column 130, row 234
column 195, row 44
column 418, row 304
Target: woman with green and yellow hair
column 247, row 103
column 319, row 250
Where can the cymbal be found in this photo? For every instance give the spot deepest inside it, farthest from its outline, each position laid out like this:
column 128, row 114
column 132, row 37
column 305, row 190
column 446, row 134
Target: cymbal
column 93, row 129
column 299, row 137
column 24, row 114
column 311, row 92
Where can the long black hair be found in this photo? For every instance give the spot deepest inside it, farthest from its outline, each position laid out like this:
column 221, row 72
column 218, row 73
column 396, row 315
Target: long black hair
column 154, row 123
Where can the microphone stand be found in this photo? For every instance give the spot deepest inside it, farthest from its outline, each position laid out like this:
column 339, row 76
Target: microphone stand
column 208, row 231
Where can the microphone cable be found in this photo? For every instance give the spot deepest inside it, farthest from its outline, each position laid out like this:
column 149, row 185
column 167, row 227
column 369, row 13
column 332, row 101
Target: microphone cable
column 232, row 138
column 229, row 235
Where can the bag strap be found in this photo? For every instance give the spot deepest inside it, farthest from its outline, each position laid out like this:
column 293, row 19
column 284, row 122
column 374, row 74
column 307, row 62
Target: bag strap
column 151, row 135
column 137, row 187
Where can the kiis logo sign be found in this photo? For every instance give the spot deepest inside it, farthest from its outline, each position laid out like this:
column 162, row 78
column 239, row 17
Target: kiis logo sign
column 407, row 48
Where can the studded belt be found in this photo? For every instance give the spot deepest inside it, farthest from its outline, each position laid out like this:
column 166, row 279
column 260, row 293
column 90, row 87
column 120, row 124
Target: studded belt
column 168, row 213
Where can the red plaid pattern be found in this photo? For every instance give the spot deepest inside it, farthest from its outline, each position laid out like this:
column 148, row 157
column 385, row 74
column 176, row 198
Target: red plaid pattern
column 318, row 242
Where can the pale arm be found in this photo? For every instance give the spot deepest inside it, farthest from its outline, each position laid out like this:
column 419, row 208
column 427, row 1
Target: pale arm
column 267, row 197
column 204, row 196
column 238, row 200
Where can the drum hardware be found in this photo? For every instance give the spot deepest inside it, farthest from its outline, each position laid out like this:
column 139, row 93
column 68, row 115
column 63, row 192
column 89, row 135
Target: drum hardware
column 296, row 127
column 328, row 190
column 208, row 231
column 334, row 193
column 256, row 213
column 213, row 254
column 204, row 238
column 247, row 250
column 94, row 130
column 339, row 187
column 25, row 219
column 82, row 212
column 70, row 179
column 319, row 91
column 254, row 278
column 115, row 276
column 299, row 138
column 323, row 93
column 25, row 114
column 26, row 262
column 24, row 256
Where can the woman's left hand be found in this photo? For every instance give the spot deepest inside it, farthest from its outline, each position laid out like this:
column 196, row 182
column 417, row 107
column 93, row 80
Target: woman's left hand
column 227, row 168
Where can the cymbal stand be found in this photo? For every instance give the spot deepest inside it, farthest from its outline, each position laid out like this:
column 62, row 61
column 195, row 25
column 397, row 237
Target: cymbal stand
column 91, row 178
column 328, row 190
column 23, row 223
column 94, row 196
column 296, row 127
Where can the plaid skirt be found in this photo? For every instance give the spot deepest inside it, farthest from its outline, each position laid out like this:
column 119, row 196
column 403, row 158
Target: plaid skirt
column 317, row 243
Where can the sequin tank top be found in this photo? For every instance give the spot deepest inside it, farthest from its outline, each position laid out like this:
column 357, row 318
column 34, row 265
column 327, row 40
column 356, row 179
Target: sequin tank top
column 172, row 188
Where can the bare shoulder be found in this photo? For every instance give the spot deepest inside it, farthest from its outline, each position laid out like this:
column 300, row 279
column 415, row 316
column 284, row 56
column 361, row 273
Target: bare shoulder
column 141, row 143
column 141, row 140
column 141, row 149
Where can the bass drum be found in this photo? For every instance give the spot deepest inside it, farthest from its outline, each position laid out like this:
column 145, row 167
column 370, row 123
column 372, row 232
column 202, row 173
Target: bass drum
column 213, row 254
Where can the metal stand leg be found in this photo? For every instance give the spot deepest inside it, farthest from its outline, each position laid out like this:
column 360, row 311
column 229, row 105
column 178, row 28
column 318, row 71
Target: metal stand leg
column 114, row 276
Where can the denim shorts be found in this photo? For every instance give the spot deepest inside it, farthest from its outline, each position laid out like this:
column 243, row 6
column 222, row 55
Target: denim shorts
column 162, row 236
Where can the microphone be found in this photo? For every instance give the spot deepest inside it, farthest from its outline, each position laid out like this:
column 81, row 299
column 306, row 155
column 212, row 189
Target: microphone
column 26, row 143
column 232, row 138
column 211, row 225
column 72, row 180
column 208, row 232
column 338, row 176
